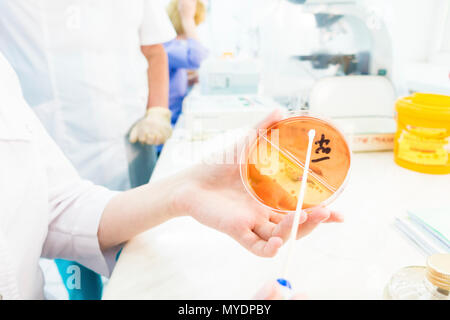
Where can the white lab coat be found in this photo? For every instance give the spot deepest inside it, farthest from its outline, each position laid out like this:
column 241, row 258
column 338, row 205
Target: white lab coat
column 46, row 209
column 82, row 70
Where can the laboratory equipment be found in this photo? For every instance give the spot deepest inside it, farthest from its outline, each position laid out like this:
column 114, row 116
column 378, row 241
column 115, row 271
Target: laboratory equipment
column 435, row 223
column 229, row 75
column 363, row 106
column 416, row 235
column 209, row 115
column 272, row 165
column 286, row 288
column 352, row 36
column 348, row 63
column 428, row 228
column 422, row 283
column 317, row 39
column 422, row 141
column 285, row 284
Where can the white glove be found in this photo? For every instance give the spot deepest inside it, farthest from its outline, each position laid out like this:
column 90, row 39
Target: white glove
column 155, row 128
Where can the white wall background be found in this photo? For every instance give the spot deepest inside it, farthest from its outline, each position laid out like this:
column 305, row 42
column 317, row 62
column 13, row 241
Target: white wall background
column 419, row 27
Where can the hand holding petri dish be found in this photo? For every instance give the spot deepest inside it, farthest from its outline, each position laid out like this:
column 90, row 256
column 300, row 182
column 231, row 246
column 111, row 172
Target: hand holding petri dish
column 272, row 165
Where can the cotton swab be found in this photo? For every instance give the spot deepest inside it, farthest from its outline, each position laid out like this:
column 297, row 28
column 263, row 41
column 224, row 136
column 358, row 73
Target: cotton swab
column 282, row 281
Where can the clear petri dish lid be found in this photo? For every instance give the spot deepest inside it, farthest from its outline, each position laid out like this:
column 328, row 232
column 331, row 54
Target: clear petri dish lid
column 272, row 164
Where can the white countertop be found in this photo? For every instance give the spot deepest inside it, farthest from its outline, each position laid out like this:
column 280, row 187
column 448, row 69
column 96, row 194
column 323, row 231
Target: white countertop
column 182, row 259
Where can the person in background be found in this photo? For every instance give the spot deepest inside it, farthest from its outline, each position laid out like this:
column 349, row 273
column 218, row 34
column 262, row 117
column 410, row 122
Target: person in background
column 185, row 53
column 94, row 72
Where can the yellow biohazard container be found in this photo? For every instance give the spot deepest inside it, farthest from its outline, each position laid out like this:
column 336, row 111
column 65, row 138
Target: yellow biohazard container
column 422, row 141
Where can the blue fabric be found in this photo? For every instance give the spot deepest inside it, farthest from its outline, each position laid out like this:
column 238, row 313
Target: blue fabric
column 183, row 55
column 91, row 286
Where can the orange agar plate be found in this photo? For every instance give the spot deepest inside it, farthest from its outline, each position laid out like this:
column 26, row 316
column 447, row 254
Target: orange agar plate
column 272, row 165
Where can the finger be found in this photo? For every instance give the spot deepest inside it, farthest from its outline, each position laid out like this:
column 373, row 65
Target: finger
column 273, row 117
column 140, row 133
column 283, row 229
column 317, row 216
column 270, row 291
column 252, row 242
column 167, row 129
column 264, row 229
column 133, row 135
column 276, row 217
column 150, row 138
column 159, row 138
column 270, row 247
column 166, row 133
column 335, row 216
column 143, row 139
column 159, row 135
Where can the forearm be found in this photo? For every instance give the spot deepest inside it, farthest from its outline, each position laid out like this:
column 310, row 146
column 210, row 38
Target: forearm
column 137, row 210
column 190, row 28
column 158, row 76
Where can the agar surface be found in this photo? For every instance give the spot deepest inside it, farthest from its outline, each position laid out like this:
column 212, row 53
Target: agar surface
column 274, row 171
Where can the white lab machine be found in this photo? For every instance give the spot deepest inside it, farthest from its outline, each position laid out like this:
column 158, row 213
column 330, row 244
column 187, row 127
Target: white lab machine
column 362, row 106
column 229, row 75
column 208, row 115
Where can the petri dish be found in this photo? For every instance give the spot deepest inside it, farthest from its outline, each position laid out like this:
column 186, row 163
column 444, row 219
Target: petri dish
column 272, row 164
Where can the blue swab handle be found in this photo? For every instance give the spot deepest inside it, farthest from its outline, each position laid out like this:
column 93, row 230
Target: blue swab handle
column 286, row 288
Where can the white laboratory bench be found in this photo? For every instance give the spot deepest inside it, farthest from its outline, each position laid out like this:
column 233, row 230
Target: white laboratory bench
column 182, row 259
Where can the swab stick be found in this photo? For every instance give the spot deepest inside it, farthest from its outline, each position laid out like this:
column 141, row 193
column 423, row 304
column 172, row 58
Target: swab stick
column 293, row 235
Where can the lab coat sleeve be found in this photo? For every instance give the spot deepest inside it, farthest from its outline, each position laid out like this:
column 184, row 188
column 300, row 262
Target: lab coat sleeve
column 185, row 54
column 75, row 209
column 156, row 27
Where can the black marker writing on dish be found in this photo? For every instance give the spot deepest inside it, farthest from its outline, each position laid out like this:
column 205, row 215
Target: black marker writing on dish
column 322, row 143
column 320, row 159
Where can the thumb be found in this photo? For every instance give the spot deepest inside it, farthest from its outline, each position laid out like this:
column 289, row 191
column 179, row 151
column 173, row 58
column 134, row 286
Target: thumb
column 270, row 291
column 238, row 145
column 275, row 116
column 133, row 135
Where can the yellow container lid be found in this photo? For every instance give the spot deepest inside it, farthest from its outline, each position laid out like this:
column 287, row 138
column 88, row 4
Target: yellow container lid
column 423, row 130
column 428, row 105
